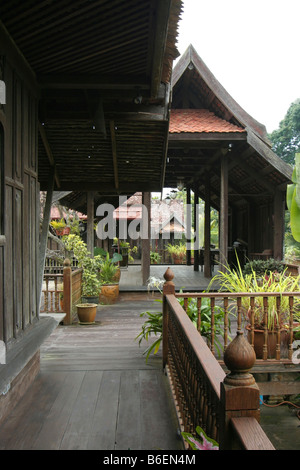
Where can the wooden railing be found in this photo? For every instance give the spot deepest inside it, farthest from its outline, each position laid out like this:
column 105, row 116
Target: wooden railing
column 226, row 407
column 52, row 293
column 242, row 309
column 72, row 291
column 55, row 266
column 61, row 292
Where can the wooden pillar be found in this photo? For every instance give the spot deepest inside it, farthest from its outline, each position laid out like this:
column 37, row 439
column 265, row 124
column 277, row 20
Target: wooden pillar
column 196, row 227
column 207, row 257
column 223, row 239
column 90, row 222
column 146, row 218
column 278, row 232
column 168, row 288
column 67, row 286
column 45, row 229
column 188, row 224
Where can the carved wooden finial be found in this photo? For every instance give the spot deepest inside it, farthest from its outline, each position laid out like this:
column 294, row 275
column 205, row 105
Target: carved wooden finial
column 169, row 275
column 239, row 358
column 67, row 263
column 169, row 286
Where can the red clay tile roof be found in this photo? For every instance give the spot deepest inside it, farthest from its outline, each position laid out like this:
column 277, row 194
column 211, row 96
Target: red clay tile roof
column 199, row 120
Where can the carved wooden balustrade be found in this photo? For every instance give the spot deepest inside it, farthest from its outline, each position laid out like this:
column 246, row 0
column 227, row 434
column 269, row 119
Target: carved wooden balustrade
column 225, row 406
column 51, row 293
column 66, row 287
column 243, row 308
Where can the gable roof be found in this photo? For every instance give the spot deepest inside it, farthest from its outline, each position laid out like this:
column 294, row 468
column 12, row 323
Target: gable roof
column 199, row 120
column 213, row 95
column 206, row 124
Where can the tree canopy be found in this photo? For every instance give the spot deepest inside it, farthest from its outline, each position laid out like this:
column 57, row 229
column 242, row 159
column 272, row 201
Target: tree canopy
column 286, row 139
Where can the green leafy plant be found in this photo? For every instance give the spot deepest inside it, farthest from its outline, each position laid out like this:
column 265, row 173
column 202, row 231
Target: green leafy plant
column 200, row 443
column 91, row 266
column 58, row 224
column 152, row 326
column 293, row 199
column 234, row 280
column 109, row 268
column 262, row 267
column 155, row 257
column 178, row 252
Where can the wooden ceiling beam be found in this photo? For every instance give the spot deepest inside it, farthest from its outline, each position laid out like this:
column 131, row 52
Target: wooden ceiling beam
column 93, row 81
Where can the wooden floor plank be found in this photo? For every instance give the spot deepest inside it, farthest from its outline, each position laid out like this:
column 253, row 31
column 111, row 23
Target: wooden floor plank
column 55, row 424
column 103, row 426
column 128, row 435
column 79, row 426
column 21, row 428
column 156, row 407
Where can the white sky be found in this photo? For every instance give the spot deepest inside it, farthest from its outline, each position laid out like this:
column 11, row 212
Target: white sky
column 253, row 49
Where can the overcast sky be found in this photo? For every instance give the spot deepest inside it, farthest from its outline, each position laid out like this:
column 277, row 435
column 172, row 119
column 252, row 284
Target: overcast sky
column 253, row 49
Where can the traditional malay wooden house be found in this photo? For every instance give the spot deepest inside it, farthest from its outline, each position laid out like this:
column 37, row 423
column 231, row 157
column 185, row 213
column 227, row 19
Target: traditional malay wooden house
column 225, row 157
column 86, row 108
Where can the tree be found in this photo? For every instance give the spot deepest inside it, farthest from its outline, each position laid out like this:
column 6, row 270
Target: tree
column 293, row 199
column 286, row 139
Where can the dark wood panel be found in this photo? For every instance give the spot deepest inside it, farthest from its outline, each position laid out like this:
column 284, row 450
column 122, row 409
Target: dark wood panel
column 8, row 265
column 18, row 261
column 26, row 251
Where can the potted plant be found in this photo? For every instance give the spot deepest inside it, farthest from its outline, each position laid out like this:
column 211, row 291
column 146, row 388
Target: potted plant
column 232, row 280
column 154, row 257
column 60, row 227
column 109, row 291
column 91, row 266
column 178, row 252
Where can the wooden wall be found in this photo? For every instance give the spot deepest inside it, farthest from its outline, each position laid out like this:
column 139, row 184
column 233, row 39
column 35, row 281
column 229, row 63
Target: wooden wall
column 19, row 238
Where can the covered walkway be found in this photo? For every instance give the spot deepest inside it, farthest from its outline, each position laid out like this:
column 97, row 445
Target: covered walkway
column 95, row 390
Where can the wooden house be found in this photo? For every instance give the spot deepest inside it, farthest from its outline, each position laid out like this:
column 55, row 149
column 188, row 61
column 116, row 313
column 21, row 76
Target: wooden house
column 225, row 157
column 87, row 106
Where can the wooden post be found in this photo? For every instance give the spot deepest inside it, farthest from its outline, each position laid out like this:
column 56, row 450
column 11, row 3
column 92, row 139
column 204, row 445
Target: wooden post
column 223, row 242
column 278, row 210
column 45, row 229
column 67, row 280
column 168, row 288
column 196, row 227
column 188, row 224
column 207, row 257
column 90, row 223
column 146, row 241
column 239, row 391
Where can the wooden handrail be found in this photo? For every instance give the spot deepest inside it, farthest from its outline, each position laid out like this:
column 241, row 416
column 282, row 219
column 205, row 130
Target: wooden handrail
column 204, row 395
column 248, row 435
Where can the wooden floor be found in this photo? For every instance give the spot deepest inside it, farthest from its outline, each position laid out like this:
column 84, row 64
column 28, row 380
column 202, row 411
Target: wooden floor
column 185, row 277
column 95, row 390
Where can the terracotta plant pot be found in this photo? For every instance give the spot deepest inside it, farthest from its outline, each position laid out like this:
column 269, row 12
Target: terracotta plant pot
column 272, row 342
column 63, row 231
column 86, row 313
column 109, row 294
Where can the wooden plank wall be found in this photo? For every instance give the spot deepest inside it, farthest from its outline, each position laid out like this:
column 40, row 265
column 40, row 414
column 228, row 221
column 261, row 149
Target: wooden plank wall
column 19, row 247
